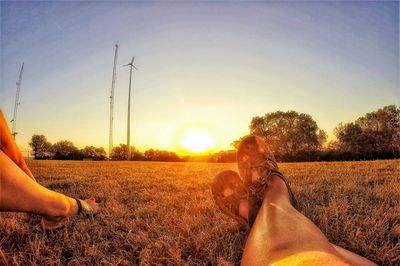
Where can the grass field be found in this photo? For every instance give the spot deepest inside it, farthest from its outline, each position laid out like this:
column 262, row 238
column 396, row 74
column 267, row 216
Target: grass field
column 164, row 214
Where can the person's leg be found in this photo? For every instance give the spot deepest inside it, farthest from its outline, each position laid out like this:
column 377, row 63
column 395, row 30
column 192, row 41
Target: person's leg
column 281, row 234
column 279, row 231
column 10, row 148
column 20, row 193
column 353, row 258
column 229, row 192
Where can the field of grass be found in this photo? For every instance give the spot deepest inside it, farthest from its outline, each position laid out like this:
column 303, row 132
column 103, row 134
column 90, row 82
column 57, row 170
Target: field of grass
column 164, row 214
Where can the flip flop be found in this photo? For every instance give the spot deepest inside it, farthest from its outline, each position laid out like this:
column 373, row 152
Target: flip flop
column 257, row 166
column 228, row 191
column 85, row 208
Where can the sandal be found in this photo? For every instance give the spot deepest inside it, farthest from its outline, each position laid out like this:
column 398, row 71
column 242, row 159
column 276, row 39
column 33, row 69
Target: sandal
column 257, row 166
column 228, row 191
column 86, row 207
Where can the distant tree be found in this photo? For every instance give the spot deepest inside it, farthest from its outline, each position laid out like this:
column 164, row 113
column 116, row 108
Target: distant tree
column 223, row 156
column 375, row 135
column 90, row 152
column 65, row 150
column 119, row 153
column 350, row 137
column 332, row 145
column 288, row 132
column 40, row 146
column 160, row 155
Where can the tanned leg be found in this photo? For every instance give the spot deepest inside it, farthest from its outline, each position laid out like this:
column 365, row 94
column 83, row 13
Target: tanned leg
column 20, row 193
column 283, row 236
column 10, row 148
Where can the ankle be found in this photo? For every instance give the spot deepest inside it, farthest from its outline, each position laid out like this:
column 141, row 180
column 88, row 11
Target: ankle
column 73, row 207
column 60, row 207
column 276, row 190
column 57, row 207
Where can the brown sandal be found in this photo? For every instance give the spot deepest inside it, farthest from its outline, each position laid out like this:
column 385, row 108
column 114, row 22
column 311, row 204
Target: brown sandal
column 257, row 165
column 229, row 182
column 85, row 208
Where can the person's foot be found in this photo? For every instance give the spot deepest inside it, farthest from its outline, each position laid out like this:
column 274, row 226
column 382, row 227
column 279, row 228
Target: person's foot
column 258, row 168
column 51, row 223
column 276, row 190
column 87, row 207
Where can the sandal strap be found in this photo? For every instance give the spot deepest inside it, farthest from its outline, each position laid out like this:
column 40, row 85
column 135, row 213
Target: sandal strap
column 85, row 209
column 78, row 202
column 257, row 188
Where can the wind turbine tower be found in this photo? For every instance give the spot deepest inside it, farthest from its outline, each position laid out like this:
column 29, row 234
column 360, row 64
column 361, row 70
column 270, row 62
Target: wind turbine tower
column 14, row 120
column 110, row 140
column 128, row 133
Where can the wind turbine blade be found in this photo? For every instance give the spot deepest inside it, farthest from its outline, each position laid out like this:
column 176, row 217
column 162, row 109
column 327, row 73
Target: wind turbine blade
column 135, row 67
column 127, row 65
column 133, row 59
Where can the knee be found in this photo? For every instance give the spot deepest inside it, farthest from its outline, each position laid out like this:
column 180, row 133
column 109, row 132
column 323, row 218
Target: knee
column 58, row 206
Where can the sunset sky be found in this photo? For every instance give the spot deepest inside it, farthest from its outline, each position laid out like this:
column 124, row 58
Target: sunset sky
column 202, row 65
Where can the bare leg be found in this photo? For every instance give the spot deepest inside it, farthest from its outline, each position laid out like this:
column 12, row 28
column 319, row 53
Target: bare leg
column 353, row 258
column 10, row 148
column 20, row 193
column 283, row 236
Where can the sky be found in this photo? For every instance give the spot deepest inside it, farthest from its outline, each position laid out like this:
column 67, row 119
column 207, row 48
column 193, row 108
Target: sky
column 202, row 65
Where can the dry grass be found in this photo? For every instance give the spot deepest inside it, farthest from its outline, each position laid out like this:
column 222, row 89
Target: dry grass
column 163, row 213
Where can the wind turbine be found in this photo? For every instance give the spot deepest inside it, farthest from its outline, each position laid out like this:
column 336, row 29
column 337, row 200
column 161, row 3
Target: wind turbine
column 110, row 137
column 128, row 133
column 14, row 120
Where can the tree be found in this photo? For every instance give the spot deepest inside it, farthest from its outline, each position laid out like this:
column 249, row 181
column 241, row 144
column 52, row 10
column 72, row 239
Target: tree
column 350, row 137
column 93, row 153
column 374, row 135
column 288, row 133
column 119, row 153
column 160, row 155
column 65, row 150
column 40, row 146
column 227, row 156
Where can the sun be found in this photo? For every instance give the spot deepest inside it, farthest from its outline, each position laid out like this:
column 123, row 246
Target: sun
column 197, row 141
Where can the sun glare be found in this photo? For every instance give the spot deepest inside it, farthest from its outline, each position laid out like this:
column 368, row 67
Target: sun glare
column 197, row 141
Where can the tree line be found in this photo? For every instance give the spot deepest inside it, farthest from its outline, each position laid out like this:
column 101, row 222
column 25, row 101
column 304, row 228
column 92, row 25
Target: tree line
column 292, row 136
column 297, row 137
column 66, row 150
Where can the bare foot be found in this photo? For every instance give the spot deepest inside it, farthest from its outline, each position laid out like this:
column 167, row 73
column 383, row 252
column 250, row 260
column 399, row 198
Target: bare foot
column 89, row 206
column 93, row 204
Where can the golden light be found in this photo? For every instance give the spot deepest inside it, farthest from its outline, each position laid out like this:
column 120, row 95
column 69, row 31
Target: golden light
column 197, row 141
